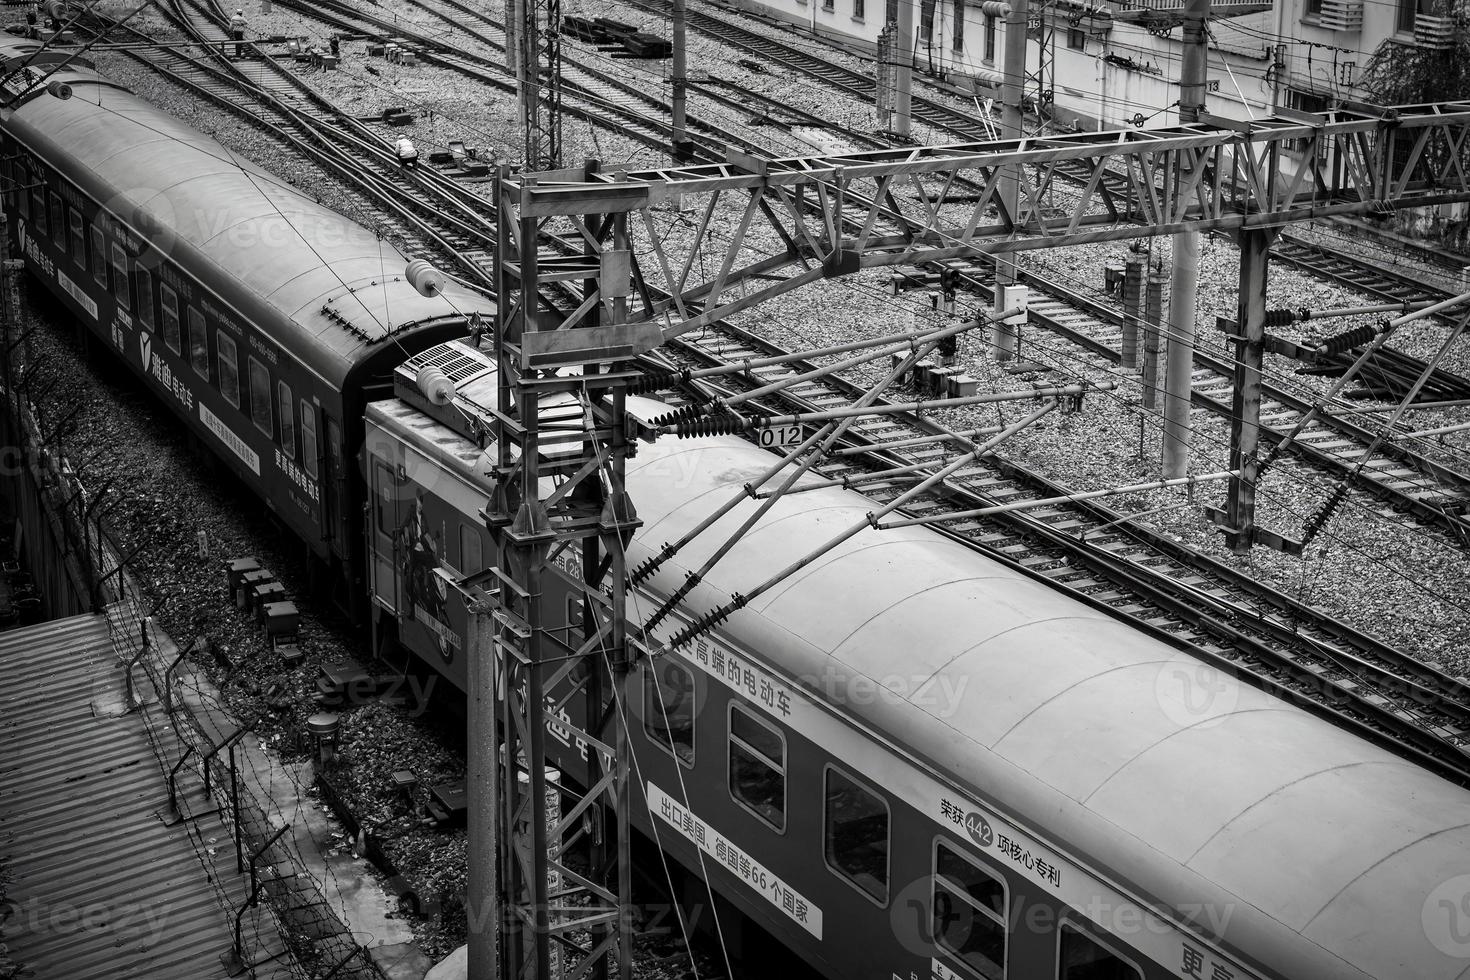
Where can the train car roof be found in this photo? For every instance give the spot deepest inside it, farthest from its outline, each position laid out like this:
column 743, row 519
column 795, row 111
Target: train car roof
column 1296, row 825
column 341, row 287
column 1320, row 851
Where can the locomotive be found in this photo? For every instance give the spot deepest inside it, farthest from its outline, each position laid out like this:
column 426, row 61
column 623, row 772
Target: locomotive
column 905, row 761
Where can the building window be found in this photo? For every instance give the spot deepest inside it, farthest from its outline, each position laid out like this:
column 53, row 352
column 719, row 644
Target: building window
column 58, row 219
column 260, row 396
column 229, row 367
column 120, row 278
column 1314, row 8
column 288, row 419
column 758, row 766
column 990, row 38
column 99, row 257
column 829, row 4
column 969, row 912
column 145, row 297
column 198, row 343
column 170, row 304
column 926, row 20
column 959, row 25
column 1076, row 38
column 1307, row 102
column 668, row 707
column 856, row 834
column 890, row 12
column 857, row 9
column 78, row 239
column 471, row 554
column 1408, row 13
column 308, row 438
column 1083, row 958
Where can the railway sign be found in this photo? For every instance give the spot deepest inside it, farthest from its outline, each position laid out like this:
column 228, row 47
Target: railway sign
column 779, row 437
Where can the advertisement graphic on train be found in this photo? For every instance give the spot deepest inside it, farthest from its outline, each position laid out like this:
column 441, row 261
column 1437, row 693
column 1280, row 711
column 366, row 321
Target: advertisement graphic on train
column 425, row 578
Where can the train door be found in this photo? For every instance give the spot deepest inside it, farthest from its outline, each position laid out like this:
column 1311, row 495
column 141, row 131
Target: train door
column 384, row 520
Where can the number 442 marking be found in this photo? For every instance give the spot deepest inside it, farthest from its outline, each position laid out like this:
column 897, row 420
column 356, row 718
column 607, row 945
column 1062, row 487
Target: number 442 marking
column 779, row 437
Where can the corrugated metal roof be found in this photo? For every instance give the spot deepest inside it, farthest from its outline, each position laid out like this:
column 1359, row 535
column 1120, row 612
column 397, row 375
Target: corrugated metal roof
column 99, row 887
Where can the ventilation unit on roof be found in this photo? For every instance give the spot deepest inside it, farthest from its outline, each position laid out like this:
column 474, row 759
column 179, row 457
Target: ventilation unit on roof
column 447, row 383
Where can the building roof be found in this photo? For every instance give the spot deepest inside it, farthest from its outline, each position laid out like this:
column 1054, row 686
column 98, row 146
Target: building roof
column 99, row 886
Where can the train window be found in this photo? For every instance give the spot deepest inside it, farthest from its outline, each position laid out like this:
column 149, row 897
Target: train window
column 228, row 356
column 38, row 208
column 856, row 835
column 260, row 396
column 170, row 305
column 758, row 766
column 78, row 238
column 668, row 707
column 969, row 912
column 471, row 555
column 145, row 297
column 308, row 438
column 288, row 419
column 58, row 219
column 120, row 278
column 22, row 198
column 198, row 343
column 387, row 490
column 99, row 256
column 1084, row 958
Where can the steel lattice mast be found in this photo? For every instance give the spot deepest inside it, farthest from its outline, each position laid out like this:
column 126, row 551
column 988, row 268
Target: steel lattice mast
column 561, row 518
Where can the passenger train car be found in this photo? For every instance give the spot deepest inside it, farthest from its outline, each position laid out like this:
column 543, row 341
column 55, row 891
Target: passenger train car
column 263, row 319
column 906, row 761
column 911, row 761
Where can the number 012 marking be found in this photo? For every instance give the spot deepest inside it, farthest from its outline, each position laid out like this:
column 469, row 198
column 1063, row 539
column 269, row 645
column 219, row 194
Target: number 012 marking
column 779, row 437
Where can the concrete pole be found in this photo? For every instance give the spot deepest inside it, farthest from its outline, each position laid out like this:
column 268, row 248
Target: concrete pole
column 1179, row 373
column 481, row 906
column 1011, row 91
column 903, row 67
column 1245, row 404
column 1178, row 433
column 1133, row 272
column 680, row 81
column 1153, row 318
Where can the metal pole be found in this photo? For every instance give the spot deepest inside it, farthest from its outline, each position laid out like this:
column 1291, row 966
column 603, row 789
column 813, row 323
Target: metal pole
column 1133, row 273
column 682, row 148
column 481, row 908
column 1178, row 433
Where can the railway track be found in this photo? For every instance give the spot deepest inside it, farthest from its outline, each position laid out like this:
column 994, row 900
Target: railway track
column 1220, row 615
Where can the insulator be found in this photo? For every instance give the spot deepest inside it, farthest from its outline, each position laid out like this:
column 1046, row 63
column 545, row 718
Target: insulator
column 1319, row 520
column 435, row 385
column 686, row 414
column 995, row 8
column 421, row 275
column 657, row 381
column 1279, row 318
column 949, row 346
column 720, row 425
column 59, row 90
column 1346, row 341
column 55, row 9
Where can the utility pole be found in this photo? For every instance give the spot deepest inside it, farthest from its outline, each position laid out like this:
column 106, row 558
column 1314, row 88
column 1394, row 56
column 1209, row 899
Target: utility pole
column 1178, row 379
column 682, row 148
column 1015, row 13
column 903, row 67
column 1245, row 404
